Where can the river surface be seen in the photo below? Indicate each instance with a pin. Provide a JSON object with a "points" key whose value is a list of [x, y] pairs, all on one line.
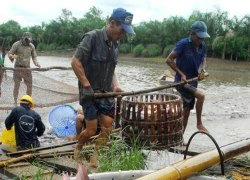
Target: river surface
{"points": [[226, 112]]}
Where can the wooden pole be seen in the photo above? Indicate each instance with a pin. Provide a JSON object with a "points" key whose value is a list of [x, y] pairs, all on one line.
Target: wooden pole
{"points": [[54, 146], [38, 69], [43, 155], [114, 94], [38, 155]]}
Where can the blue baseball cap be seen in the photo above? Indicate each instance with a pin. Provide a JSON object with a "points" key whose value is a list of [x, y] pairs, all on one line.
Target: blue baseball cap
{"points": [[124, 18], [200, 29]]}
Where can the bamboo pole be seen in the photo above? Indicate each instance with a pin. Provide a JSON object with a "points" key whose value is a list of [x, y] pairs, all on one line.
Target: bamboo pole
{"points": [[198, 163], [55, 146], [38, 69], [44, 155], [38, 155], [114, 94]]}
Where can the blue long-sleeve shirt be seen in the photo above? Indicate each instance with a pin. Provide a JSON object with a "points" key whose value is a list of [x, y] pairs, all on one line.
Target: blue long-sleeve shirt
{"points": [[28, 125]]}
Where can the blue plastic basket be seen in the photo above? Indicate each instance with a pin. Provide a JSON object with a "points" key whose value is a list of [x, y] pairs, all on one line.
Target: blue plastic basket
{"points": [[63, 120]]}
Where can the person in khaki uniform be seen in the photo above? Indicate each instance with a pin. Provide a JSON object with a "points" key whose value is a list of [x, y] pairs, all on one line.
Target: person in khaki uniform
{"points": [[21, 51]]}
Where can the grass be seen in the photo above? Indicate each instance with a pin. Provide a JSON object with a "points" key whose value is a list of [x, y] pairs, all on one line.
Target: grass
{"points": [[245, 159], [121, 157], [117, 156], [26, 175], [42, 167]]}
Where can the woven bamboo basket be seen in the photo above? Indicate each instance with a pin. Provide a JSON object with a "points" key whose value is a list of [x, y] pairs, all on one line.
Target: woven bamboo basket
{"points": [[154, 120]]}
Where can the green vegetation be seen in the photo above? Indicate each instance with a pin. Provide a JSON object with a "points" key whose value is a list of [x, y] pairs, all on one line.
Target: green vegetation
{"points": [[121, 157], [37, 176], [138, 50], [152, 50], [230, 37], [124, 48]]}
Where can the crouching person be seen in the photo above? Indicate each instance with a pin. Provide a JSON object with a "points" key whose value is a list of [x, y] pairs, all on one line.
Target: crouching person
{"points": [[28, 124]]}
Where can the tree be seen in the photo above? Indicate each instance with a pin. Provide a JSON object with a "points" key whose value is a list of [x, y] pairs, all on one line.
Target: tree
{"points": [[11, 31]]}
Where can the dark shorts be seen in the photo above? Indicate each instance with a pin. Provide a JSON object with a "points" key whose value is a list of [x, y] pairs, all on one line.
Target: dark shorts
{"points": [[92, 109], [25, 75], [187, 93]]}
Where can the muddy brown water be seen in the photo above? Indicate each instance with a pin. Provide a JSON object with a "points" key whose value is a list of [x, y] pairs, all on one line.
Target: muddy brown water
{"points": [[226, 112]]}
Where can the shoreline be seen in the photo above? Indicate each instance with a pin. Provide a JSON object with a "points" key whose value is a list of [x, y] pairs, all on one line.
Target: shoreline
{"points": [[125, 57]]}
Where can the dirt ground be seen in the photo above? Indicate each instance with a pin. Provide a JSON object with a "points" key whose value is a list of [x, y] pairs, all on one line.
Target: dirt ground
{"points": [[226, 115]]}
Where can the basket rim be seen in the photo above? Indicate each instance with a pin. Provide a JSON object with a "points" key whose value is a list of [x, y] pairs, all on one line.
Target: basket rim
{"points": [[177, 98]]}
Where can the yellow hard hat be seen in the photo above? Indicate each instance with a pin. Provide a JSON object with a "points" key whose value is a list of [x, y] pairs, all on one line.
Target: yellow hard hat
{"points": [[28, 99]]}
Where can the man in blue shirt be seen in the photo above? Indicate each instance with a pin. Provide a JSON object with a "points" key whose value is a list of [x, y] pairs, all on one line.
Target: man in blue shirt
{"points": [[190, 54]]}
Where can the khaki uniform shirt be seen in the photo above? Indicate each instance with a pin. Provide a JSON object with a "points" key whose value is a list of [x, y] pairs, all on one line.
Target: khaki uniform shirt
{"points": [[24, 53]]}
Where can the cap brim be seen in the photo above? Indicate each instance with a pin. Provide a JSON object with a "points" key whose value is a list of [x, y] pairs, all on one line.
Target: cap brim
{"points": [[128, 29], [202, 35]]}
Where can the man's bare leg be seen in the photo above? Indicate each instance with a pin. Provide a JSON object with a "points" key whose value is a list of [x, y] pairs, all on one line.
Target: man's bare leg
{"points": [[79, 124], [186, 113], [79, 127], [199, 105], [106, 128], [84, 136], [16, 90], [29, 89]]}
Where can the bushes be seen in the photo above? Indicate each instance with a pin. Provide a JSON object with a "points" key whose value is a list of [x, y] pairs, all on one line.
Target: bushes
{"points": [[152, 50], [145, 53], [138, 50], [167, 50], [124, 48], [51, 47]]}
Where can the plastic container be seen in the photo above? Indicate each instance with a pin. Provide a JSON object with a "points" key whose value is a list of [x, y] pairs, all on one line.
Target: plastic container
{"points": [[62, 118], [9, 136]]}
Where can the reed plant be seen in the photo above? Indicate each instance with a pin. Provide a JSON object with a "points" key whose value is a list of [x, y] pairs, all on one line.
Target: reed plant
{"points": [[121, 156]]}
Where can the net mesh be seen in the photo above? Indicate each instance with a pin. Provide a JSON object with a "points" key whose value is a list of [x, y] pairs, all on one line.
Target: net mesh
{"points": [[45, 91], [62, 119]]}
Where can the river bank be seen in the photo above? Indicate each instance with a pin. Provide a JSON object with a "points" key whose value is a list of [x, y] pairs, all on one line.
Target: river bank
{"points": [[130, 57]]}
